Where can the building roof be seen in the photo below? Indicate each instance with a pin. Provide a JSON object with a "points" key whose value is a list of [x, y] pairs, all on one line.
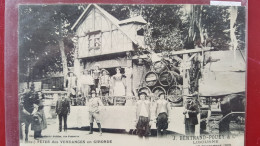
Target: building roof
{"points": [[113, 20], [138, 19]]}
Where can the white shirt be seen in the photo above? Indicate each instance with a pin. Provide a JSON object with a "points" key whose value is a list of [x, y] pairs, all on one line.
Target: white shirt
{"points": [[162, 110], [87, 80], [143, 111]]}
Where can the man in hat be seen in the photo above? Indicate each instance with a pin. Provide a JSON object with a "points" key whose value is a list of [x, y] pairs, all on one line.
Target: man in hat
{"points": [[63, 110], [162, 110], [143, 115], [94, 111], [28, 107], [191, 111]]}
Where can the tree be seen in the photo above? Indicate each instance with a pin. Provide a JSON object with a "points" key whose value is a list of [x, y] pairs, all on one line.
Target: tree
{"points": [[216, 27], [45, 44], [175, 27], [162, 31]]}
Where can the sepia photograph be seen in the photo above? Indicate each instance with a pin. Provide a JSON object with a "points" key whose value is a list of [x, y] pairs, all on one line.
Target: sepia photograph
{"points": [[114, 74]]}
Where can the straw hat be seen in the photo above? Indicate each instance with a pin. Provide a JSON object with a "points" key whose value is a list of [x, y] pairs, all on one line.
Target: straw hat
{"points": [[104, 70], [142, 93]]}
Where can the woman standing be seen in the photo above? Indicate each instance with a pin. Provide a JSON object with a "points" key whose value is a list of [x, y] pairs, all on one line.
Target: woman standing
{"points": [[39, 122], [119, 87]]}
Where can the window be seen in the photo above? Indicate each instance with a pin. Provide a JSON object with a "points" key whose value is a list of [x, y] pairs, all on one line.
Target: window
{"points": [[94, 43]]}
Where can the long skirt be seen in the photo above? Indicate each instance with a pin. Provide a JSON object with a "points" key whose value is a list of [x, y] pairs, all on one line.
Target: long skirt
{"points": [[119, 88]]}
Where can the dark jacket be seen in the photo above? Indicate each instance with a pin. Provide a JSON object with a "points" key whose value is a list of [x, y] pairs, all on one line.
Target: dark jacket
{"points": [[193, 112], [63, 106], [29, 99]]}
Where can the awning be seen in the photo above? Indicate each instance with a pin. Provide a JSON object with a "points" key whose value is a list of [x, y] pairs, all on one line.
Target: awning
{"points": [[222, 83], [225, 76], [111, 63]]}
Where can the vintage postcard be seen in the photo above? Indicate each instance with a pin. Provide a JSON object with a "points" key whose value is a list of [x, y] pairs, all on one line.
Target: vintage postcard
{"points": [[96, 74]]}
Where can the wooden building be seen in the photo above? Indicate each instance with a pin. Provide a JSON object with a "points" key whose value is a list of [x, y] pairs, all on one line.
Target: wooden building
{"points": [[104, 40]]}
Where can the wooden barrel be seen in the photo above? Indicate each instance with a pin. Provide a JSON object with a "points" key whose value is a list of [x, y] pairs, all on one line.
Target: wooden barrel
{"points": [[151, 79], [146, 90], [168, 78], [160, 66], [175, 94], [158, 90]]}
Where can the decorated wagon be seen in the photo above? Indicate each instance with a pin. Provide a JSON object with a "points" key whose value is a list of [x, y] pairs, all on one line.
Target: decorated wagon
{"points": [[104, 40]]}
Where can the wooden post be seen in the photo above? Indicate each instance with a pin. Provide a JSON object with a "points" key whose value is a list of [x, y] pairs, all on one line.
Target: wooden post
{"points": [[185, 75], [129, 74], [77, 67]]}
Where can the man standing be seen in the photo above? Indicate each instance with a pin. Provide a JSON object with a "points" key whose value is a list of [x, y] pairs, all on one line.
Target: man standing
{"points": [[143, 114], [162, 110], [191, 111], [94, 111], [28, 107], [63, 110]]}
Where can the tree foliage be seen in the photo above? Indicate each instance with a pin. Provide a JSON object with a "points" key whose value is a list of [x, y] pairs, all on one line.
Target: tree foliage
{"points": [[169, 26], [41, 27]]}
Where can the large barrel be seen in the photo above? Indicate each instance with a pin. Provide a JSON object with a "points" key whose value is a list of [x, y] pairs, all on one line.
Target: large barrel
{"points": [[160, 66], [146, 90], [168, 78], [151, 79], [158, 90], [174, 94]]}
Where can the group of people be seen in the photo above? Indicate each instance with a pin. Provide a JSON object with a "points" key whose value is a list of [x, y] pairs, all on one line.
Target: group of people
{"points": [[143, 115], [98, 80], [63, 110], [162, 118], [31, 111]]}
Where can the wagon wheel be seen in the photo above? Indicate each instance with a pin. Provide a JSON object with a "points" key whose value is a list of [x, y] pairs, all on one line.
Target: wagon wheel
{"points": [[175, 94]]}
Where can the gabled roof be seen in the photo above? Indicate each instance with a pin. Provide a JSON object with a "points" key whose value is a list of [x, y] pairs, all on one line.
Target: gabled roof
{"points": [[138, 19], [113, 20]]}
